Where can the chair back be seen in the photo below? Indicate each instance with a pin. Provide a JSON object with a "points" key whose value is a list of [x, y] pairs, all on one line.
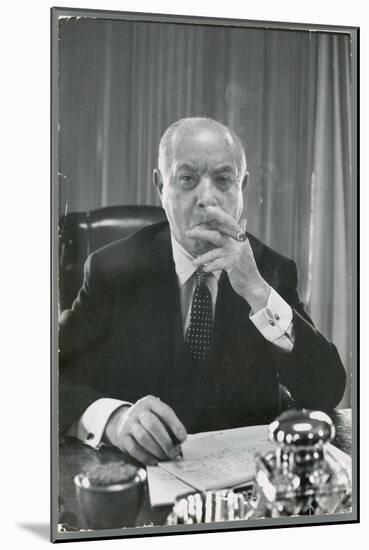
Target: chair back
{"points": [[81, 233]]}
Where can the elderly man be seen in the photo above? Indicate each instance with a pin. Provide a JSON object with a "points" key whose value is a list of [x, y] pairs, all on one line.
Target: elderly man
{"points": [[191, 324]]}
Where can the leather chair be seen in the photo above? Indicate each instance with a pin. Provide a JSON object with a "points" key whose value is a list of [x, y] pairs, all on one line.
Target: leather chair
{"points": [[81, 233]]}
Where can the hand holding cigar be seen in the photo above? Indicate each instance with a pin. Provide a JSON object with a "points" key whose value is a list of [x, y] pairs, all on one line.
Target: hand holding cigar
{"points": [[233, 254], [225, 223]]}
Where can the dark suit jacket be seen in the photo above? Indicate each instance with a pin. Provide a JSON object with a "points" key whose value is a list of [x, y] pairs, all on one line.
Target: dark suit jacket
{"points": [[123, 338]]}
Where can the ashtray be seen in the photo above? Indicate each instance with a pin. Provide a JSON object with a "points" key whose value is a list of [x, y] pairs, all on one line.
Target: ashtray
{"points": [[110, 495]]}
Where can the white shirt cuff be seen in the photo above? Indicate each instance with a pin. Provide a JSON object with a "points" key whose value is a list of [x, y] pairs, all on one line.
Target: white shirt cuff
{"points": [[275, 322], [90, 427]]}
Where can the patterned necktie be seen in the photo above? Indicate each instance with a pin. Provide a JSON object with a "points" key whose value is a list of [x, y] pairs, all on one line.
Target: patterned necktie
{"points": [[200, 332]]}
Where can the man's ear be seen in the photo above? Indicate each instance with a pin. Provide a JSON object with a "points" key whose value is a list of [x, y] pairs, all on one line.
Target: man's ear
{"points": [[158, 182], [244, 181]]}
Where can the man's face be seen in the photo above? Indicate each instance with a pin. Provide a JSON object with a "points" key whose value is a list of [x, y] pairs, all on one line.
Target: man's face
{"points": [[205, 171]]}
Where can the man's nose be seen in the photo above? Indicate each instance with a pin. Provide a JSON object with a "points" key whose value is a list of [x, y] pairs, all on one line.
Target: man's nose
{"points": [[206, 193]]}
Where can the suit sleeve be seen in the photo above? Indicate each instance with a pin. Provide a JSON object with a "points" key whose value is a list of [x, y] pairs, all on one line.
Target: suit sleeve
{"points": [[312, 371], [80, 329]]}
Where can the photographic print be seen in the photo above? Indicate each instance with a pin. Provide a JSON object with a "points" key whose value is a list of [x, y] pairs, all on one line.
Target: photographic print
{"points": [[204, 184]]}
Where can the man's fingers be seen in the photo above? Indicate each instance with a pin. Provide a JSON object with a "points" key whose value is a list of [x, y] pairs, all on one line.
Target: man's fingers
{"points": [[210, 235], [209, 256], [146, 441], [215, 265], [134, 449], [155, 427], [243, 224], [223, 221], [167, 415]]}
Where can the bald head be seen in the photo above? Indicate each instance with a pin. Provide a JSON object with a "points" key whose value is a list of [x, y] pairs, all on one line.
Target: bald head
{"points": [[202, 165], [201, 130]]}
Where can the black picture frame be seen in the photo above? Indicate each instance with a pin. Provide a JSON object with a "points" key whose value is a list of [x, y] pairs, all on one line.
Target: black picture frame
{"points": [[56, 14]]}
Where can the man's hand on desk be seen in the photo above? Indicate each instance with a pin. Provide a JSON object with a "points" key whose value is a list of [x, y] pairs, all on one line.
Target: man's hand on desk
{"points": [[146, 430]]}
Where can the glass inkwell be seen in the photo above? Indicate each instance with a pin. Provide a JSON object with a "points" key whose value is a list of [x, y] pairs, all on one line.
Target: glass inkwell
{"points": [[302, 476]]}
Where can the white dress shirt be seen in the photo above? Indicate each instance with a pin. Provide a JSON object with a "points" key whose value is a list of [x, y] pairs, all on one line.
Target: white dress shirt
{"points": [[274, 322]]}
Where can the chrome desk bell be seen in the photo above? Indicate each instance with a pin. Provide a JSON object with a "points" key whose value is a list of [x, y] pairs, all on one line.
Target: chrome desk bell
{"points": [[302, 476]]}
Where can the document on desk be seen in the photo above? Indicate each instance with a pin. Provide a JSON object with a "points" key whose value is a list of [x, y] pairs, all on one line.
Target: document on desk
{"points": [[211, 460], [164, 487], [221, 459]]}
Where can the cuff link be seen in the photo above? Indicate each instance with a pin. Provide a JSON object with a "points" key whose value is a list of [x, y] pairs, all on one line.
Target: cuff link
{"points": [[272, 317]]}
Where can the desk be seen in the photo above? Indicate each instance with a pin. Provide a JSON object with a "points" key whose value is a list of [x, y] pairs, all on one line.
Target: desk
{"points": [[73, 457]]}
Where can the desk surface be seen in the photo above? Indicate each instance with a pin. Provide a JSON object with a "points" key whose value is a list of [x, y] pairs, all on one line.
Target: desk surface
{"points": [[74, 457]]}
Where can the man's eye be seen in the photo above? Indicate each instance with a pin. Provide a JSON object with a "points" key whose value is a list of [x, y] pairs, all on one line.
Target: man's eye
{"points": [[224, 180], [187, 179]]}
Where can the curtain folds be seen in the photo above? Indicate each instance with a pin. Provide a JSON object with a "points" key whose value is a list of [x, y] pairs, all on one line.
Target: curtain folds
{"points": [[285, 93], [330, 266]]}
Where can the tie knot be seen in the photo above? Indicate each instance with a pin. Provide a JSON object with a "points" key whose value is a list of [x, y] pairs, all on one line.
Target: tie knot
{"points": [[201, 276]]}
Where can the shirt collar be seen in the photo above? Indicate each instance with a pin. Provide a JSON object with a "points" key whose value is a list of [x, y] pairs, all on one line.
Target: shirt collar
{"points": [[183, 262]]}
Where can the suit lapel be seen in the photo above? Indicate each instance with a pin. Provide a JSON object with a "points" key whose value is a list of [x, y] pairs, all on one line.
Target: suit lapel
{"points": [[166, 309], [257, 248]]}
